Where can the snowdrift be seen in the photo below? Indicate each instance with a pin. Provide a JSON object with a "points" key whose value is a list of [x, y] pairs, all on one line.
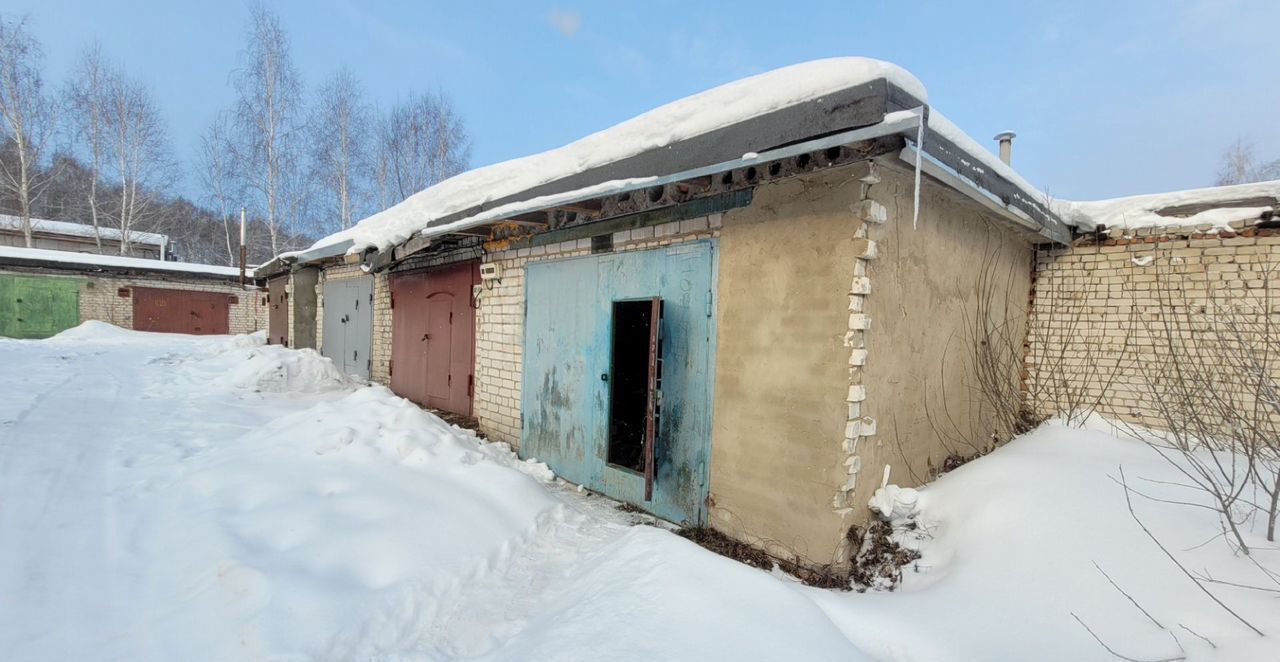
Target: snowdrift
{"points": [[1015, 546], [211, 498]]}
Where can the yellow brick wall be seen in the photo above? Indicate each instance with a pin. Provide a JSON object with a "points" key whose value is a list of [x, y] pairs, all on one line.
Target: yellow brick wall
{"points": [[1103, 313]]}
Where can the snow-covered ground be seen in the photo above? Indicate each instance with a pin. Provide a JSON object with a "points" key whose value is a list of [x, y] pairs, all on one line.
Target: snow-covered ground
{"points": [[178, 498]]}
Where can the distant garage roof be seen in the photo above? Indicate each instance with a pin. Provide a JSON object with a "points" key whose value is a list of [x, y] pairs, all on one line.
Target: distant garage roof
{"points": [[81, 230], [38, 258]]}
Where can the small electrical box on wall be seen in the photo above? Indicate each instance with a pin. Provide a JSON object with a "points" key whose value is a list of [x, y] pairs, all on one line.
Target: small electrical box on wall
{"points": [[489, 271]]}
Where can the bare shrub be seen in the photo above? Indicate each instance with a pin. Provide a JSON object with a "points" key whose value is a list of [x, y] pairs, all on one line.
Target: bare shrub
{"points": [[1072, 361], [1211, 384], [1026, 365]]}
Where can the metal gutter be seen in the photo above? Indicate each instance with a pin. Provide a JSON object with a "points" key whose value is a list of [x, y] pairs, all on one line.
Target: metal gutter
{"points": [[895, 123], [970, 189]]}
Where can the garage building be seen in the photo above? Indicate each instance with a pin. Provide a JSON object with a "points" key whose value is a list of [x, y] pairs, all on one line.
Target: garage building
{"points": [[44, 292]]}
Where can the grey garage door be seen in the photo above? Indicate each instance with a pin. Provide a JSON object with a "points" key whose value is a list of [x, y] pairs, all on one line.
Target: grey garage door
{"points": [[348, 324]]}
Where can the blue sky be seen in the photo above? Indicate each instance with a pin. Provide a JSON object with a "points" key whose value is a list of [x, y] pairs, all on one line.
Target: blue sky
{"points": [[1108, 98]]}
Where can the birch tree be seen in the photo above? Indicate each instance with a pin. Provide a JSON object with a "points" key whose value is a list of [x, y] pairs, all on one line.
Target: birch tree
{"points": [[424, 142], [27, 116], [218, 176], [267, 120], [86, 100], [1240, 166], [382, 184], [139, 152], [340, 132]]}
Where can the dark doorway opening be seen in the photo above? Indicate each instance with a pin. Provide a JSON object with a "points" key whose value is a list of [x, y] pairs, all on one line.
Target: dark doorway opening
{"points": [[635, 374]]}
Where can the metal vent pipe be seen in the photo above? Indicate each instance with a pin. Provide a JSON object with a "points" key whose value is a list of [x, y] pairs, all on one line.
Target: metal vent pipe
{"points": [[1005, 138]]}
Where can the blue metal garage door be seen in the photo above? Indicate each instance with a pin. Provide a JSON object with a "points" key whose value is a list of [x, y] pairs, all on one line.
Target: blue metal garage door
{"points": [[569, 371]]}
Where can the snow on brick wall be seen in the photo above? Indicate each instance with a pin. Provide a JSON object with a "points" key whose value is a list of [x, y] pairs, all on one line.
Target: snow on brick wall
{"points": [[1098, 310], [500, 318]]}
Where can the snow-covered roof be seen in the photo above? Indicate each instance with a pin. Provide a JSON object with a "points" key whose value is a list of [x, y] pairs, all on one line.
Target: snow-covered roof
{"points": [[487, 193], [689, 117], [11, 254], [81, 230], [1217, 206]]}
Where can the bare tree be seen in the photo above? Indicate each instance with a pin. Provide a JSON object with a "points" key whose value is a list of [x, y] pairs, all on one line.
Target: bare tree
{"points": [[382, 184], [28, 119], [340, 133], [267, 118], [423, 142], [140, 154], [1240, 166], [86, 100], [218, 176]]}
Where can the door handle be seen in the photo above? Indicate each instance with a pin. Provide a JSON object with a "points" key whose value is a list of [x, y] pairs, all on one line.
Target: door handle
{"points": [[425, 337]]}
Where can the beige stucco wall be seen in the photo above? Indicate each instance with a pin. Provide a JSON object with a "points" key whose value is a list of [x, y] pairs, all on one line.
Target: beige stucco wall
{"points": [[836, 321], [782, 373], [1099, 334], [919, 357]]}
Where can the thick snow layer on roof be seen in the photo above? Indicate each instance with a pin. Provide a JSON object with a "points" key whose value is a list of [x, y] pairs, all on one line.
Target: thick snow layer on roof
{"points": [[692, 116], [89, 259], [1227, 204], [80, 230]]}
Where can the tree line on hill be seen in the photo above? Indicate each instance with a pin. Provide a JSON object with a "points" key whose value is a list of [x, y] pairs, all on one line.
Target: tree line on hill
{"points": [[303, 163]]}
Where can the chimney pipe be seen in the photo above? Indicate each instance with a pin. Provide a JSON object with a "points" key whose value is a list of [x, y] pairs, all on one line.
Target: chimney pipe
{"points": [[1006, 145]]}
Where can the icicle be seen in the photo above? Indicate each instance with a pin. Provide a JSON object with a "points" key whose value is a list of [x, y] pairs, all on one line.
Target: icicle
{"points": [[924, 120]]}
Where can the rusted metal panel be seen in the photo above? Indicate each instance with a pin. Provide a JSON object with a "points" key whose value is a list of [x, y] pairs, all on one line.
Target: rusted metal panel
{"points": [[567, 350], [652, 404], [278, 311], [433, 336], [181, 311]]}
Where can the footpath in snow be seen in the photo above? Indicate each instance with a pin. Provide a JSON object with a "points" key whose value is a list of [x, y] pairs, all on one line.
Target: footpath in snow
{"points": [[180, 498]]}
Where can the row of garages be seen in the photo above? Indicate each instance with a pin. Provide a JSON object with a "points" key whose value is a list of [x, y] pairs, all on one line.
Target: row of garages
{"points": [[712, 370], [688, 328], [44, 292], [425, 350]]}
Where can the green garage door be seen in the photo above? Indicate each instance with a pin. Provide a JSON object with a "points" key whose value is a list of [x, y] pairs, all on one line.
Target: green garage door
{"points": [[36, 307]]}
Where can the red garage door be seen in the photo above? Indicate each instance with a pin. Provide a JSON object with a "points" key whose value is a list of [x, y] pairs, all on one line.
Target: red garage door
{"points": [[278, 316], [433, 336], [181, 311]]}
